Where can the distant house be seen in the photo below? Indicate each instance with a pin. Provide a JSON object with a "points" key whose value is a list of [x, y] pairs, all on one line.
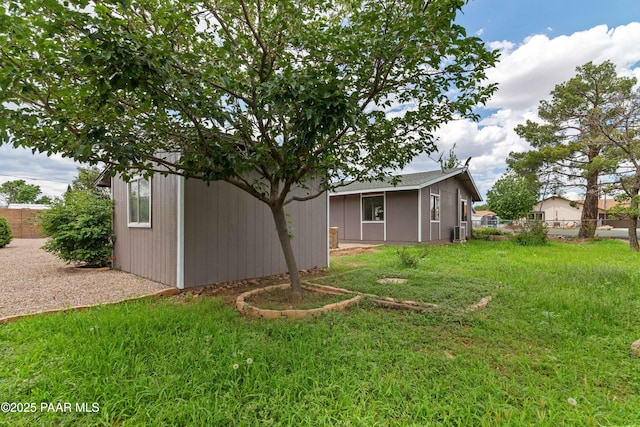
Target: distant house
{"points": [[426, 207], [557, 211], [186, 233], [485, 219]]}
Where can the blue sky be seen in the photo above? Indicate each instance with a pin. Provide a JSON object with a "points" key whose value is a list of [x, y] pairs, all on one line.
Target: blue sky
{"points": [[514, 20], [541, 44]]}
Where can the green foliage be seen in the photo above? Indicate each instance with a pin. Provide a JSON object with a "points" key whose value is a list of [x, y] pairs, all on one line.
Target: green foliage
{"points": [[79, 226], [410, 257], [85, 181], [534, 233], [285, 89], [571, 147], [288, 92], [5, 232], [511, 197], [485, 233], [19, 191]]}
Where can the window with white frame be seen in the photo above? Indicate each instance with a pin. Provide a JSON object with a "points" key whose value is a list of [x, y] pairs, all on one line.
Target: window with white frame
{"points": [[463, 210], [373, 208], [139, 196], [435, 207]]}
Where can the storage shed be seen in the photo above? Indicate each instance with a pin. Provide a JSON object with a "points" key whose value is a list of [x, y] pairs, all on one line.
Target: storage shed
{"points": [[186, 233]]}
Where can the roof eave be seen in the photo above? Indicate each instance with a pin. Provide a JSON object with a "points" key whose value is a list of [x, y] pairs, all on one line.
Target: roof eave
{"points": [[407, 187]]}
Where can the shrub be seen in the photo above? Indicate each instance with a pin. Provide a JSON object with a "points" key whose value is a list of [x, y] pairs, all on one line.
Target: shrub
{"points": [[485, 233], [5, 232], [533, 234], [409, 258], [80, 228]]}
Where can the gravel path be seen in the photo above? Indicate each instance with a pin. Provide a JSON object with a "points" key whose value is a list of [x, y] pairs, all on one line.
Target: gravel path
{"points": [[32, 280]]}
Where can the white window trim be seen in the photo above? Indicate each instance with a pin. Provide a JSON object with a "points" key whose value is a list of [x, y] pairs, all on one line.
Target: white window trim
{"points": [[431, 207], [463, 219], [138, 224], [384, 208], [383, 222]]}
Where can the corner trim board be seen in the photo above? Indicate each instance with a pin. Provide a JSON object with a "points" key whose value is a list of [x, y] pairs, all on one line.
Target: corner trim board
{"points": [[180, 234]]}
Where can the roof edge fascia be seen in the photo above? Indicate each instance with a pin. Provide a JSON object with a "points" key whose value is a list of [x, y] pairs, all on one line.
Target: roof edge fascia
{"points": [[401, 188]]}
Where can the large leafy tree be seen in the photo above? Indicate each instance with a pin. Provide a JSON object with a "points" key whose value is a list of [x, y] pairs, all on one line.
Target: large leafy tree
{"points": [[268, 95], [568, 145], [18, 191], [86, 181], [512, 197]]}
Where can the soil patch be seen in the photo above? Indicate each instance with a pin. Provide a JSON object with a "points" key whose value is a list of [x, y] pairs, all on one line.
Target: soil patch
{"points": [[229, 291], [354, 251], [278, 299]]}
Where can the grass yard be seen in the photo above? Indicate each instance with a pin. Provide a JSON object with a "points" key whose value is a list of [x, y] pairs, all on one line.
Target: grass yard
{"points": [[551, 349]]}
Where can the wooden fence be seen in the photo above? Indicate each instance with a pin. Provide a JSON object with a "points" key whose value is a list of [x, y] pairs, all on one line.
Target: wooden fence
{"points": [[23, 222]]}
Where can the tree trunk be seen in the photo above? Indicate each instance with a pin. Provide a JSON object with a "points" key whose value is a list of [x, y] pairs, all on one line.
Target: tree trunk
{"points": [[633, 234], [280, 219], [633, 225], [589, 219]]}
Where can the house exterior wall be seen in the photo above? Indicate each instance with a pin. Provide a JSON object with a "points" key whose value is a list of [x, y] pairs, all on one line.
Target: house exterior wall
{"points": [[451, 192], [560, 211], [148, 252], [401, 215], [230, 235], [345, 214]]}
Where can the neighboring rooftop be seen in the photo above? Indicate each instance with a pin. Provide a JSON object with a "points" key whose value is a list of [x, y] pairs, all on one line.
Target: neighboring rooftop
{"points": [[411, 181]]}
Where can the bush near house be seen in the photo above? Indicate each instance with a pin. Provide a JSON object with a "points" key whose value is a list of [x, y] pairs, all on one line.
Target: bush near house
{"points": [[486, 233], [80, 228], [5, 232], [533, 234]]}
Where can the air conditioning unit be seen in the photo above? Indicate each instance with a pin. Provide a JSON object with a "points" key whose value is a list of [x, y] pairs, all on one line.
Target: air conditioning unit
{"points": [[459, 234]]}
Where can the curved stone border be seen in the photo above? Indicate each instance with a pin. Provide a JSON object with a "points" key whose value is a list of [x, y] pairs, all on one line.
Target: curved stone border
{"points": [[163, 293], [391, 280], [635, 349], [244, 307], [480, 304]]}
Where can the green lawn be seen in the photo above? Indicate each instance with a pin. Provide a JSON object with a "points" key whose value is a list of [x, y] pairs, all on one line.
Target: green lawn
{"points": [[557, 332]]}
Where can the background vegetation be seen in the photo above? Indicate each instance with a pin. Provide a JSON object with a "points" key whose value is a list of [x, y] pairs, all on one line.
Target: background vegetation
{"points": [[5, 232], [79, 227]]}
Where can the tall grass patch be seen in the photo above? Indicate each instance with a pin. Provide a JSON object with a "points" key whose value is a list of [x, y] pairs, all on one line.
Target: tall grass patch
{"points": [[552, 348]]}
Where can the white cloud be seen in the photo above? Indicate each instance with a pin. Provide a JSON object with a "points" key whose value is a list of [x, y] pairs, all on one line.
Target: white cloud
{"points": [[52, 174], [526, 74]]}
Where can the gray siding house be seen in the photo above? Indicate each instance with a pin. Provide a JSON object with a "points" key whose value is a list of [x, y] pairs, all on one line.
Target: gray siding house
{"points": [[186, 233], [423, 207]]}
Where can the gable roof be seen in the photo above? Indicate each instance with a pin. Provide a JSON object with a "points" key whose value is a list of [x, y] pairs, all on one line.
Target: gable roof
{"points": [[411, 181]]}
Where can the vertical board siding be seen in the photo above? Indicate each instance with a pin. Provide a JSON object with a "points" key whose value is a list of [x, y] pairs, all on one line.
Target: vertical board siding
{"points": [[426, 215], [352, 217], [402, 216], [230, 235], [336, 215], [148, 252], [451, 190]]}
